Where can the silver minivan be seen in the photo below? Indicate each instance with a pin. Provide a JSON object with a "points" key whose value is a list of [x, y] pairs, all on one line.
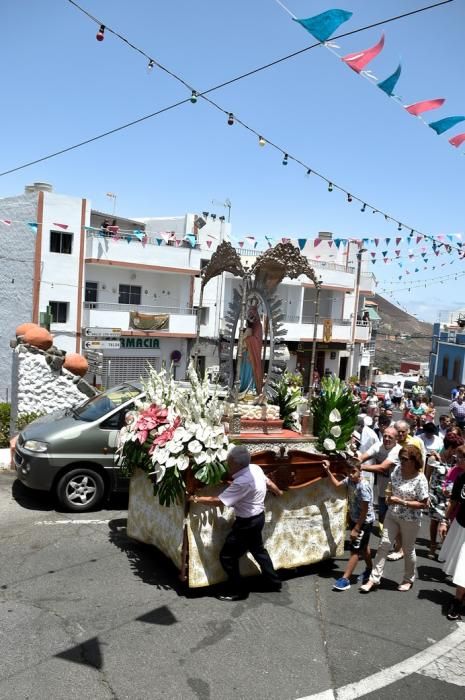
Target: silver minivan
{"points": [[71, 453]]}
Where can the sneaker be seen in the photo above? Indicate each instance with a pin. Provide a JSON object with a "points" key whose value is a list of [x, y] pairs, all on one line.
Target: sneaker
{"points": [[454, 610], [342, 584], [363, 578]]}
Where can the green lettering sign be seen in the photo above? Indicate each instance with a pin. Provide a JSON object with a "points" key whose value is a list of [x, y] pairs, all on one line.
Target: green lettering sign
{"points": [[140, 343]]}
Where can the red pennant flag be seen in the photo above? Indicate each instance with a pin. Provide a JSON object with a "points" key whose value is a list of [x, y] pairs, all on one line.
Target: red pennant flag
{"points": [[63, 226], [376, 241], [420, 107], [419, 238], [397, 252], [209, 243], [241, 244], [358, 61], [316, 242], [7, 222], [373, 255], [398, 240], [457, 140]]}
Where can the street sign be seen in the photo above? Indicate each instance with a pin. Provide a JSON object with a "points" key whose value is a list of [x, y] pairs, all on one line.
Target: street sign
{"points": [[102, 332], [94, 356], [101, 344], [95, 368]]}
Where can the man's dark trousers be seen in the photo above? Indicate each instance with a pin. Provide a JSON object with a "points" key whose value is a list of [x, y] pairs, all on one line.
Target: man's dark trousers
{"points": [[246, 536]]}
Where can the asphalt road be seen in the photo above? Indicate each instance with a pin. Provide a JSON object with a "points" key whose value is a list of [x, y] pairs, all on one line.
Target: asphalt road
{"points": [[87, 613]]}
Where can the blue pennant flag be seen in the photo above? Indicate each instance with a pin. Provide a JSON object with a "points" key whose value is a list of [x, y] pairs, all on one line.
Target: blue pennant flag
{"points": [[301, 242], [417, 269], [33, 226], [322, 26], [444, 124], [192, 240], [389, 84], [159, 241]]}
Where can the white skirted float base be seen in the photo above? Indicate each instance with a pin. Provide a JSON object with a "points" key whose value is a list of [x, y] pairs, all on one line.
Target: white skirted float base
{"points": [[304, 526]]}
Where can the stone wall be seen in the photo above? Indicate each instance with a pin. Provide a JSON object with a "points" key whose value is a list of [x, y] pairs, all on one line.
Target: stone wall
{"points": [[43, 384]]}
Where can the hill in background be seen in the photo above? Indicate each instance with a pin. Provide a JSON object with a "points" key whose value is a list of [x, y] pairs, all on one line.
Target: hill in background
{"points": [[400, 336]]}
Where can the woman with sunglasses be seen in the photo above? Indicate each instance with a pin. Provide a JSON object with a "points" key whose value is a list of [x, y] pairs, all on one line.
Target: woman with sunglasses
{"points": [[408, 498], [453, 549]]}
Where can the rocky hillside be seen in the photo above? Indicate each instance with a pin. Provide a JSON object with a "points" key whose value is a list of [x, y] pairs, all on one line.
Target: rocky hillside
{"points": [[400, 337]]}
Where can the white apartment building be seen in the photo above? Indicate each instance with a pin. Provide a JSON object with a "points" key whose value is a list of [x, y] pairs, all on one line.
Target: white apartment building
{"points": [[142, 276]]}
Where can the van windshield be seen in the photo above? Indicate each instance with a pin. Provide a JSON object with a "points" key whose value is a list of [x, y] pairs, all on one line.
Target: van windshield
{"points": [[99, 406]]}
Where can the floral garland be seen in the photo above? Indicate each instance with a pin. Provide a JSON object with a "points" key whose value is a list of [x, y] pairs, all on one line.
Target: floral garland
{"points": [[172, 429]]}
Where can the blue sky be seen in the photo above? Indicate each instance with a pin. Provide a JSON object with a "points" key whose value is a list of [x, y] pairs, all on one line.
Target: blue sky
{"points": [[60, 86]]}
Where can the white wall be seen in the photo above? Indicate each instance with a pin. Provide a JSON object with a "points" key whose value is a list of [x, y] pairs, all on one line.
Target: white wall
{"points": [[17, 250]]}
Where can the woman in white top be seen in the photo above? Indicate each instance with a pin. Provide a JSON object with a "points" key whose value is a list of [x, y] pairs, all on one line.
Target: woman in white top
{"points": [[409, 497]]}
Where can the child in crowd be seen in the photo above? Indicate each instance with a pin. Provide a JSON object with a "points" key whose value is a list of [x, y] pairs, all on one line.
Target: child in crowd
{"points": [[362, 516]]}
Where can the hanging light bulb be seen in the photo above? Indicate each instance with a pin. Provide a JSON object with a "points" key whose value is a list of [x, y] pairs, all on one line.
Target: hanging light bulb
{"points": [[309, 172], [261, 141], [150, 66], [194, 97], [330, 186], [285, 159], [349, 197], [364, 207], [100, 36], [399, 228], [230, 118]]}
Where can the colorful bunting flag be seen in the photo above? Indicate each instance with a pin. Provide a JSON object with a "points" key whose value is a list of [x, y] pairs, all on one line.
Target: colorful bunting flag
{"points": [[420, 107], [63, 226], [358, 61], [191, 239], [457, 140], [323, 25], [7, 222], [301, 242], [33, 226], [389, 84], [445, 124], [209, 243]]}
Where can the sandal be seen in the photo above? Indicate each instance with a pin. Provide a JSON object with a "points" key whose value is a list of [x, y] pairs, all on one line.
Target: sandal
{"points": [[405, 586], [395, 556], [368, 586]]}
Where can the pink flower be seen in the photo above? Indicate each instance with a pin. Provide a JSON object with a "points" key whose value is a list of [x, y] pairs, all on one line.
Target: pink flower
{"points": [[167, 434], [148, 420]]}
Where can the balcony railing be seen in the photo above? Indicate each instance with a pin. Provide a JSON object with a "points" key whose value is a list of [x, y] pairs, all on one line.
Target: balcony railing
{"points": [[141, 308], [142, 237], [320, 264]]}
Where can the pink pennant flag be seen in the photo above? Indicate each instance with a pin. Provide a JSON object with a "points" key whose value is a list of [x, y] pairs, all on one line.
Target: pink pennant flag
{"points": [[285, 240], [386, 260], [241, 244], [441, 237], [373, 255], [316, 242], [63, 226], [457, 140], [330, 243], [376, 241], [177, 242], [209, 243], [398, 240], [418, 239], [397, 252], [7, 222], [420, 107], [358, 61]]}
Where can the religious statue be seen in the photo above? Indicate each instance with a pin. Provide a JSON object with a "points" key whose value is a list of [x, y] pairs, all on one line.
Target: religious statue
{"points": [[251, 378]]}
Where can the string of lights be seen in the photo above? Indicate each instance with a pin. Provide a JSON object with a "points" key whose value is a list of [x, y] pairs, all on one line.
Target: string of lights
{"points": [[233, 119]]}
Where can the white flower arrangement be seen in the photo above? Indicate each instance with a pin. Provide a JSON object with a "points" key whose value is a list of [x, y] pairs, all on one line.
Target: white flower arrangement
{"points": [[174, 428]]}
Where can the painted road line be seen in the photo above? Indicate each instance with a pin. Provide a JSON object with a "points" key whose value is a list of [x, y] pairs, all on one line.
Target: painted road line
{"points": [[71, 522], [439, 654]]}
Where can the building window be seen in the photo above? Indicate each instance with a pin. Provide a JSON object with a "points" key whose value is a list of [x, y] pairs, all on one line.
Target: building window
{"points": [[91, 294], [59, 311], [61, 242], [129, 294], [204, 315], [445, 367], [456, 375]]}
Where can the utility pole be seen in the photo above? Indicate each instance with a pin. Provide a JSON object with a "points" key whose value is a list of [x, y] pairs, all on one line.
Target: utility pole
{"points": [[356, 301]]}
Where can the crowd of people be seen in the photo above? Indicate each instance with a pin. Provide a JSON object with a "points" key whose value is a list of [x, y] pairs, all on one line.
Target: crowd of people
{"points": [[416, 469]]}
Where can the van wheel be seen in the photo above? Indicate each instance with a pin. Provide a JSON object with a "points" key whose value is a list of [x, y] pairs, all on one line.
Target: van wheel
{"points": [[80, 489]]}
